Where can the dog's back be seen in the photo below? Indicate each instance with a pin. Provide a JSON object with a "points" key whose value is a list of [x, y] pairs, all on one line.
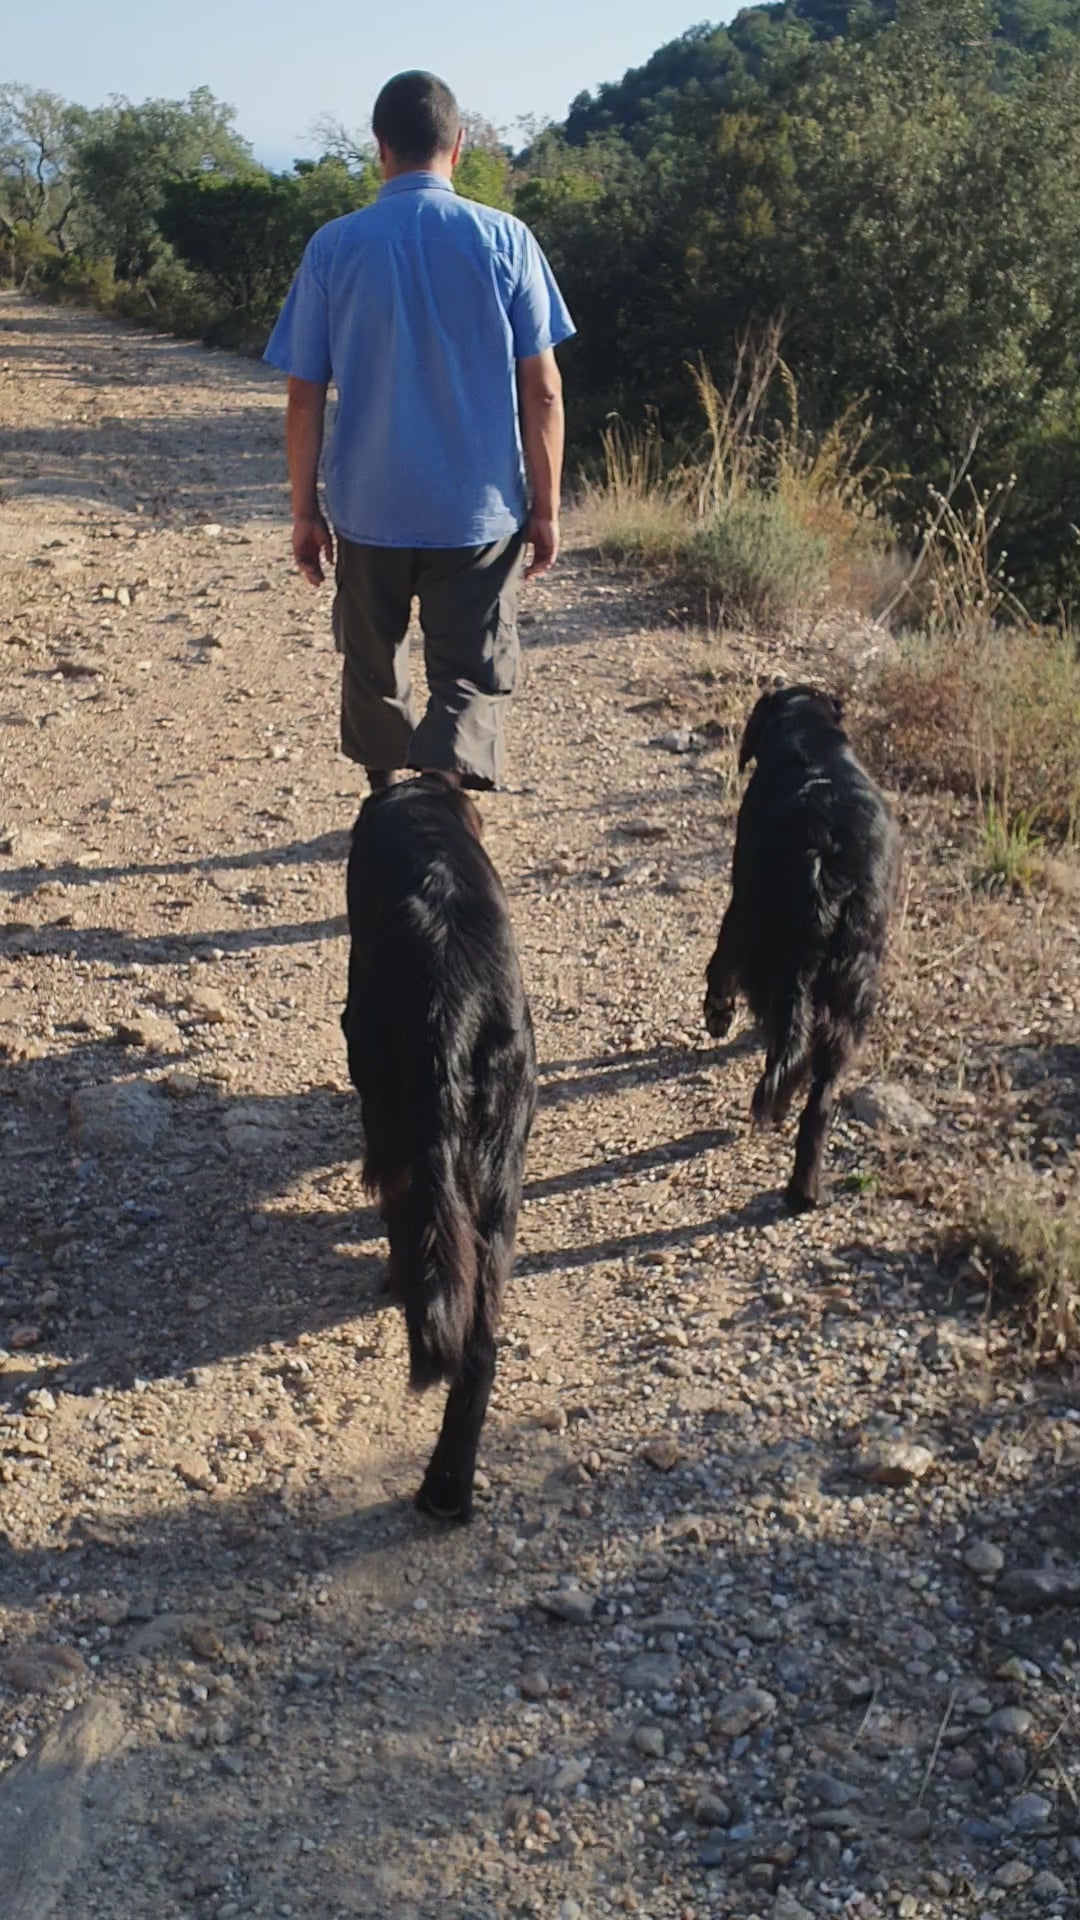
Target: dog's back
{"points": [[441, 1052], [815, 863]]}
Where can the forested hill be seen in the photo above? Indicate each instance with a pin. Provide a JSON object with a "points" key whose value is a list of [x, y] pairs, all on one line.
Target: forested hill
{"points": [[763, 51]]}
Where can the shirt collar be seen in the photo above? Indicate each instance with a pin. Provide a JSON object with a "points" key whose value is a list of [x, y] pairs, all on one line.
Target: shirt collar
{"points": [[415, 183]]}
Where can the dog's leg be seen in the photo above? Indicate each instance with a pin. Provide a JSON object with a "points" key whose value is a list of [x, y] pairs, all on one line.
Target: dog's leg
{"points": [[722, 977], [447, 1489], [829, 1059], [804, 1188]]}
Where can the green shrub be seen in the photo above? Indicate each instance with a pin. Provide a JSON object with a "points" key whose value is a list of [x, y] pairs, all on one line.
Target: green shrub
{"points": [[758, 563]]}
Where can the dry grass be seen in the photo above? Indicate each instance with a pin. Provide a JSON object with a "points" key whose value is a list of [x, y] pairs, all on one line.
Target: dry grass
{"points": [[994, 715], [764, 521], [1028, 1248]]}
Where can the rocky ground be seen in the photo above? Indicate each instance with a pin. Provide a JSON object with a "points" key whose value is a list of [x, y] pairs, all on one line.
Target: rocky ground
{"points": [[770, 1606]]}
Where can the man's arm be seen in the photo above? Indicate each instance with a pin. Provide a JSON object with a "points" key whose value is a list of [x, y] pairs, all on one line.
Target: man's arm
{"points": [[542, 435], [304, 415]]}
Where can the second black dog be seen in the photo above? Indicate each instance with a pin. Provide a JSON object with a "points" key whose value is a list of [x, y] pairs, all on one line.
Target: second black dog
{"points": [[814, 878], [441, 1051]]}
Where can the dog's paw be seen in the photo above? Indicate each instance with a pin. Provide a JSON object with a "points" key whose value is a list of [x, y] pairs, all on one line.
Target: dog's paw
{"points": [[719, 1015], [800, 1199], [444, 1498]]}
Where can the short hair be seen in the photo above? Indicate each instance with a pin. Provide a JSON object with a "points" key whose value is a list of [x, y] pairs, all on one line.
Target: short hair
{"points": [[417, 117]]}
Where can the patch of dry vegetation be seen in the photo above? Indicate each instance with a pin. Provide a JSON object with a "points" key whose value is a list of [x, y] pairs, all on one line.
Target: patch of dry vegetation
{"points": [[1027, 1246], [765, 522]]}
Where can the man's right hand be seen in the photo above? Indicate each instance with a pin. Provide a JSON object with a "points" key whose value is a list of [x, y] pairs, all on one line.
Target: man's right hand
{"points": [[311, 539], [542, 535]]}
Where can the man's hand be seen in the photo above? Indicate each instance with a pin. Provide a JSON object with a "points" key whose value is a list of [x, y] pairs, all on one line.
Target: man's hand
{"points": [[311, 538], [542, 535]]}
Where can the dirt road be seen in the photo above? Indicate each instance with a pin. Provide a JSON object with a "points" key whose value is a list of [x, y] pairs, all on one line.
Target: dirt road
{"points": [[741, 1628]]}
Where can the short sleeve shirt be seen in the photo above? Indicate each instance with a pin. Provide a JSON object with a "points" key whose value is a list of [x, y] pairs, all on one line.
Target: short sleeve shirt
{"points": [[418, 309]]}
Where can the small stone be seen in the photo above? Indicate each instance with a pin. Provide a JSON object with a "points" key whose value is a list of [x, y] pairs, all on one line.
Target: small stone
{"points": [[1048, 1887], [786, 1907], [915, 1824], [711, 1811], [43, 1669], [24, 1335], [552, 1420], [649, 1741], [662, 1453], [1031, 1589], [762, 1876], [679, 740], [180, 1085], [742, 1709], [1012, 1721], [651, 1673], [123, 596], [570, 1604], [120, 1116], [828, 1791], [150, 1032], [984, 1559], [194, 1470], [893, 1463], [712, 1854], [535, 1685], [570, 1775], [207, 1005], [1030, 1810], [854, 1688], [884, 1103], [205, 1644], [1014, 1873], [40, 1400]]}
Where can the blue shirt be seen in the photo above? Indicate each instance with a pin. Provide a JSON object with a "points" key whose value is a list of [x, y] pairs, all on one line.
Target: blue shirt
{"points": [[418, 308]]}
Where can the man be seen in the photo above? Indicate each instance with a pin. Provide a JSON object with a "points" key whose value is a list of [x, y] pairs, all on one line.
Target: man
{"points": [[437, 320]]}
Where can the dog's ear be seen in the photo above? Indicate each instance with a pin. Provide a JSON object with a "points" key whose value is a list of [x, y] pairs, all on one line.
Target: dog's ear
{"points": [[837, 706], [754, 729]]}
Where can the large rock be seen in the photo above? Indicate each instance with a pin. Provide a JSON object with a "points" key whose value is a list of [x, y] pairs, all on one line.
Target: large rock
{"points": [[884, 1104], [118, 1116], [1032, 1589]]}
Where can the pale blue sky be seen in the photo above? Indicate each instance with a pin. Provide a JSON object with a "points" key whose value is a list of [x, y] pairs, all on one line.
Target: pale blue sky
{"points": [[281, 63]]}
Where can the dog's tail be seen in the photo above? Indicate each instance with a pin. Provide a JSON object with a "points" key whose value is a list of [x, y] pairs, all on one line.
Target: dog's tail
{"points": [[791, 1032], [435, 1266]]}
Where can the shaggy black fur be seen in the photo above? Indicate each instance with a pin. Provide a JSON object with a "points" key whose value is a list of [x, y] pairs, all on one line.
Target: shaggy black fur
{"points": [[441, 1051], [817, 861]]}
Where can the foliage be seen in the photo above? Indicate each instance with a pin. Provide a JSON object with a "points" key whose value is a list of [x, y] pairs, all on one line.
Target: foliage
{"points": [[757, 517], [244, 237], [129, 155], [38, 137]]}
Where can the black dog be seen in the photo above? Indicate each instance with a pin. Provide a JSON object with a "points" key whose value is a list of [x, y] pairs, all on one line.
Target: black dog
{"points": [[814, 878], [441, 1052]]}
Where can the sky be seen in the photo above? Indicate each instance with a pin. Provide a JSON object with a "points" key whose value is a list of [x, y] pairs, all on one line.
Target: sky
{"points": [[282, 64]]}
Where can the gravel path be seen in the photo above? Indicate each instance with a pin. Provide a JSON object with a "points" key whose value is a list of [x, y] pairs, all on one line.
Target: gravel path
{"points": [[768, 1610]]}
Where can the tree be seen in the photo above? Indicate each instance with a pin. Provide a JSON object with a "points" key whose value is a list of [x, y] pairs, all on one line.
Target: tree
{"points": [[131, 152], [38, 137], [245, 236]]}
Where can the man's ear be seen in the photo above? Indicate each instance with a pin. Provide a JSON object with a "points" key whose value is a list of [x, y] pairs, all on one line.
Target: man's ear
{"points": [[838, 708], [458, 144]]}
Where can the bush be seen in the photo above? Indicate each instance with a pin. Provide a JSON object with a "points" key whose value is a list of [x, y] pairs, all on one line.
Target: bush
{"points": [[758, 563], [995, 717], [1028, 1247], [760, 518]]}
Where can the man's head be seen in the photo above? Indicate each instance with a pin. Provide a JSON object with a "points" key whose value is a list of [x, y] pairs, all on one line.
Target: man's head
{"points": [[417, 125]]}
